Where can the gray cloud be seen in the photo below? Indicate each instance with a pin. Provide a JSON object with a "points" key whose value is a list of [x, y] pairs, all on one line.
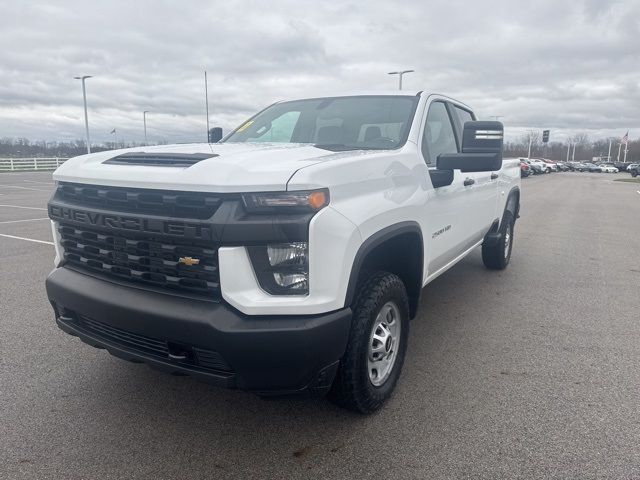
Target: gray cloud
{"points": [[569, 66]]}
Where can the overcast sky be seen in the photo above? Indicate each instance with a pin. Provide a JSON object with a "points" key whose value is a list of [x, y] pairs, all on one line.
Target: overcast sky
{"points": [[568, 65]]}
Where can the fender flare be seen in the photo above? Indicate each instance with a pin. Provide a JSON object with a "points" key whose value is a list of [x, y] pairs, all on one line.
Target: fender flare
{"points": [[513, 203], [512, 206], [376, 240]]}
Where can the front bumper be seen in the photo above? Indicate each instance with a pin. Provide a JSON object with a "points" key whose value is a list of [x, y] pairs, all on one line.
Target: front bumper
{"points": [[206, 339]]}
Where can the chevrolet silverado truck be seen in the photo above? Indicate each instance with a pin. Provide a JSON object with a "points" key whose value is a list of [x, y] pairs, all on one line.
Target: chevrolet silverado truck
{"points": [[290, 256]]}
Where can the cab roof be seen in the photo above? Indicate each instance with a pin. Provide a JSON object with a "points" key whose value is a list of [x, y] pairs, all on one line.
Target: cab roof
{"points": [[356, 93]]}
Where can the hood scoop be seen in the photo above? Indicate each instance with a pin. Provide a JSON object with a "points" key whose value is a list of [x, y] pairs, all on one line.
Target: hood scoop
{"points": [[159, 159]]}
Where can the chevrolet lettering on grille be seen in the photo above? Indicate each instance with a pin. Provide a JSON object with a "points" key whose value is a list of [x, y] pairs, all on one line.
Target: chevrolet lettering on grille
{"points": [[121, 222]]}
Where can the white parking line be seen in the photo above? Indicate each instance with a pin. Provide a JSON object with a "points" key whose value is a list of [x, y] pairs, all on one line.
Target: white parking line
{"points": [[24, 188], [26, 220], [42, 183], [26, 239], [20, 206]]}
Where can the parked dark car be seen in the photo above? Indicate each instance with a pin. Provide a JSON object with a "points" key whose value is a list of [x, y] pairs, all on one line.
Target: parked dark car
{"points": [[563, 167], [634, 169], [580, 167], [536, 169], [525, 170], [622, 166], [592, 167]]}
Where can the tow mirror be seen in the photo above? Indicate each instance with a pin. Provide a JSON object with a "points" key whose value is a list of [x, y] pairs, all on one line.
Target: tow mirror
{"points": [[215, 135], [481, 149]]}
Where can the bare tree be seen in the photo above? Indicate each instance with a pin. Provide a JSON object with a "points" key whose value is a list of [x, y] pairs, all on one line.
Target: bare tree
{"points": [[581, 139], [532, 136], [583, 146]]}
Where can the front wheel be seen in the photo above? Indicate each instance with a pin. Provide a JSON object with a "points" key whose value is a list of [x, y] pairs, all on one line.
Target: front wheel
{"points": [[497, 255], [377, 344]]}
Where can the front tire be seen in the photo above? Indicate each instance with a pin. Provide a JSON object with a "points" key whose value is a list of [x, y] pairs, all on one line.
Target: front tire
{"points": [[372, 363], [498, 255]]}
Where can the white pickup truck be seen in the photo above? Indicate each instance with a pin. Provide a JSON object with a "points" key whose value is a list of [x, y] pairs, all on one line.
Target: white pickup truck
{"points": [[290, 256]]}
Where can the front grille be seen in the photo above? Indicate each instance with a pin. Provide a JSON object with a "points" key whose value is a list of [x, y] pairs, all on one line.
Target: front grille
{"points": [[196, 205], [142, 258], [158, 238], [142, 344]]}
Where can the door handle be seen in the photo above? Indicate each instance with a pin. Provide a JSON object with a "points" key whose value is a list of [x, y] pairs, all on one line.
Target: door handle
{"points": [[494, 176], [469, 181]]}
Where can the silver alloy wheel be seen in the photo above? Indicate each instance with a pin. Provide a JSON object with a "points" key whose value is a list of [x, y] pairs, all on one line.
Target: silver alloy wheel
{"points": [[507, 241], [384, 342]]}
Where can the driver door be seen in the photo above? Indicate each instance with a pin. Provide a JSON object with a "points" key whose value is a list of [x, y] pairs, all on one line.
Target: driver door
{"points": [[447, 219]]}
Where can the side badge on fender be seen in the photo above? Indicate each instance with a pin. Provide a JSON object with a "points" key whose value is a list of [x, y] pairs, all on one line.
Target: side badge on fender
{"points": [[441, 231]]}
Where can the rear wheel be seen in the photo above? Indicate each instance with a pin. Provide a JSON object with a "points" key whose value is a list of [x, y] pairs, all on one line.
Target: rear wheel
{"points": [[377, 344], [497, 255]]}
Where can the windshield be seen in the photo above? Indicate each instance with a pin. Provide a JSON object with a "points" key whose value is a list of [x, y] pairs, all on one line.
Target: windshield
{"points": [[337, 123]]}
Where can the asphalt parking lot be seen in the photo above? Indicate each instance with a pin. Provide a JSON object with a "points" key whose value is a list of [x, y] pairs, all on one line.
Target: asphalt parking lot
{"points": [[533, 372]]}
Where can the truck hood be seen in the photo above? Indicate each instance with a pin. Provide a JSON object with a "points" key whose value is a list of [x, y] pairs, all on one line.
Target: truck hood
{"points": [[238, 167]]}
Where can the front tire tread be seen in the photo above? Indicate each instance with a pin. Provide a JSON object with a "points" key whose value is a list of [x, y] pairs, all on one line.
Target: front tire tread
{"points": [[352, 388]]}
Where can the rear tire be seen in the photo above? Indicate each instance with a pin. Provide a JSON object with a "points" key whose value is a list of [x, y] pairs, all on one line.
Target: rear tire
{"points": [[379, 333], [498, 255]]}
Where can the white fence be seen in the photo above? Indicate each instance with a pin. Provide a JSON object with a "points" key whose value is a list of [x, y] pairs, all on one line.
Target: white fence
{"points": [[30, 164]]}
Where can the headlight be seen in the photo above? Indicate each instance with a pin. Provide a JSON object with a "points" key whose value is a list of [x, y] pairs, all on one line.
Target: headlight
{"points": [[282, 269], [282, 202]]}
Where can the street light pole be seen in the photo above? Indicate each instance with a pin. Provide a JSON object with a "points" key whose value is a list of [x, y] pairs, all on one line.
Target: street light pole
{"points": [[144, 120], [626, 149], [206, 99], [400, 74], [609, 154], [86, 116], [619, 147], [568, 150]]}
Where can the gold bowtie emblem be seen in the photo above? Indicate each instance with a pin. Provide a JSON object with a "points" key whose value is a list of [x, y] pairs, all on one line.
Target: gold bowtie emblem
{"points": [[189, 261]]}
